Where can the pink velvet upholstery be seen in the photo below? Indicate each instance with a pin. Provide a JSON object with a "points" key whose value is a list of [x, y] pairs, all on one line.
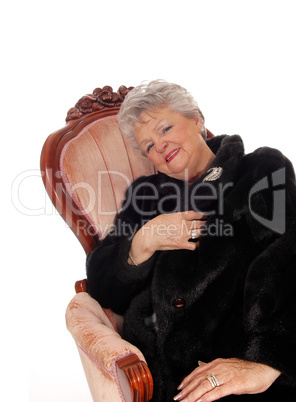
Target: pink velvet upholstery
{"points": [[97, 166], [100, 347]]}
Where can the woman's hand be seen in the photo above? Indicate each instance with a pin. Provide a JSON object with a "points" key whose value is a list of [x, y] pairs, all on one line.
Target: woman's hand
{"points": [[167, 232], [234, 376]]}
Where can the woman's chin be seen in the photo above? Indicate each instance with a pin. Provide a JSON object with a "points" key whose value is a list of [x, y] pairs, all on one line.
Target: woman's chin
{"points": [[176, 169], [180, 171]]}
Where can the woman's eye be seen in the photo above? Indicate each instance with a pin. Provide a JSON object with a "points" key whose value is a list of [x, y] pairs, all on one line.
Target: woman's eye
{"points": [[149, 147], [166, 129]]}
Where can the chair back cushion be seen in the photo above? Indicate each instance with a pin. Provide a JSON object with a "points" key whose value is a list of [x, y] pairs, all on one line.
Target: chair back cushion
{"points": [[97, 166]]}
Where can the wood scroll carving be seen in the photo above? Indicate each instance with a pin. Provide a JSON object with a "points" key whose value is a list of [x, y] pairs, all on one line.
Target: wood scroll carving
{"points": [[138, 378], [101, 98]]}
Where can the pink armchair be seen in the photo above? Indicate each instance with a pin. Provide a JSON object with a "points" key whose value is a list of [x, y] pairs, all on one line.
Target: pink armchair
{"points": [[86, 168]]}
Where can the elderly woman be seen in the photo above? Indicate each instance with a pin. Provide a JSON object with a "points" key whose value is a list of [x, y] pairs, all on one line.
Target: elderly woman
{"points": [[201, 261]]}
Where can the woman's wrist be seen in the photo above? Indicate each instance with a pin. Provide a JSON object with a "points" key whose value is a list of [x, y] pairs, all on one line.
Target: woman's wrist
{"points": [[137, 258], [139, 252], [131, 261]]}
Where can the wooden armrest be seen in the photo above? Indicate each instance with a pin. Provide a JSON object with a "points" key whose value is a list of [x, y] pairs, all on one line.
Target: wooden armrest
{"points": [[135, 377]]}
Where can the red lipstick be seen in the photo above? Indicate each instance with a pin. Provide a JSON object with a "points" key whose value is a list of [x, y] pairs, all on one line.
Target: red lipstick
{"points": [[172, 154]]}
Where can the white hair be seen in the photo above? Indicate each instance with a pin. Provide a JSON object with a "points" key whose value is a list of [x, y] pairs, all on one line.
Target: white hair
{"points": [[156, 94]]}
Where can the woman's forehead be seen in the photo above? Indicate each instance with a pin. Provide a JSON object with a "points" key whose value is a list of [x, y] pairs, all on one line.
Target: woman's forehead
{"points": [[151, 120], [155, 116]]}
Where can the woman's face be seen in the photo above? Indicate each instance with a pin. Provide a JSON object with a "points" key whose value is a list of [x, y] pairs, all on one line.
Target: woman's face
{"points": [[173, 143]]}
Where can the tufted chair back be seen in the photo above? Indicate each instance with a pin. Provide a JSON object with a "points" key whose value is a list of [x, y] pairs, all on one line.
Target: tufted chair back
{"points": [[88, 165], [97, 166]]}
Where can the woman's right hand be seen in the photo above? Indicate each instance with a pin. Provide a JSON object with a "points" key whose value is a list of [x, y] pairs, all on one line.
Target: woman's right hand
{"points": [[167, 232]]}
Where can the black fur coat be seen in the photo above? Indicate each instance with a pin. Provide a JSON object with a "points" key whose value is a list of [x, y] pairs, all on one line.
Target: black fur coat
{"points": [[235, 295]]}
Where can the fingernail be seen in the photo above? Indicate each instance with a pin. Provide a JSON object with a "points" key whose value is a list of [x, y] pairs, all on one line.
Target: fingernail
{"points": [[178, 397], [181, 386]]}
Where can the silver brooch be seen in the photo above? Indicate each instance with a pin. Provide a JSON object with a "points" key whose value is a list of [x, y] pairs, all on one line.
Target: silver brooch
{"points": [[214, 174]]}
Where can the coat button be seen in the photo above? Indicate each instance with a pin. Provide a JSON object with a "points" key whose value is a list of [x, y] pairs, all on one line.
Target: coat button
{"points": [[179, 303]]}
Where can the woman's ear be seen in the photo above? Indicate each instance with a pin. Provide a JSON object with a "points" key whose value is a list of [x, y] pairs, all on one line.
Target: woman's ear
{"points": [[198, 122], [197, 118]]}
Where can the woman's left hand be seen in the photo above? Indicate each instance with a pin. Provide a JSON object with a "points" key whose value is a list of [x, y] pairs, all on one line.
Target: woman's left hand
{"points": [[234, 376]]}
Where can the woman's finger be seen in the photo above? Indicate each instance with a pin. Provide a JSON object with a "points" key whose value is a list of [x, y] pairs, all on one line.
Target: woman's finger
{"points": [[213, 395], [192, 215], [195, 389], [190, 377], [195, 225]]}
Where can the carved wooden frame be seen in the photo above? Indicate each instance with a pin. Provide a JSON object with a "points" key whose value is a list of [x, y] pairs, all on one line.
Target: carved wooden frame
{"points": [[101, 103]]}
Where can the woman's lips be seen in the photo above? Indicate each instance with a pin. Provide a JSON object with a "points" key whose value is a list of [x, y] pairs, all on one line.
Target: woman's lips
{"points": [[172, 154]]}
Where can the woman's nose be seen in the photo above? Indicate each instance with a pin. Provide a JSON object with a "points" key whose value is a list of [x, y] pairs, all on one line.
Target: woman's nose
{"points": [[160, 145]]}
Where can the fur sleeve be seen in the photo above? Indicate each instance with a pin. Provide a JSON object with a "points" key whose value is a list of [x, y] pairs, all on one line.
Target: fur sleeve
{"points": [[111, 280], [270, 289]]}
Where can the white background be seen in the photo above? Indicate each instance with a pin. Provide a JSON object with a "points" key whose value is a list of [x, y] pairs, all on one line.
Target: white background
{"points": [[236, 57]]}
